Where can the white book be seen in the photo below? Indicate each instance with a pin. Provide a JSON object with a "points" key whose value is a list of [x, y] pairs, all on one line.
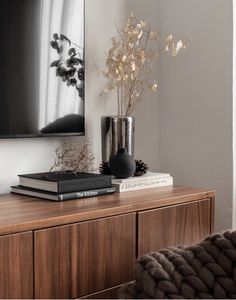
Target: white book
{"points": [[146, 177], [134, 186]]}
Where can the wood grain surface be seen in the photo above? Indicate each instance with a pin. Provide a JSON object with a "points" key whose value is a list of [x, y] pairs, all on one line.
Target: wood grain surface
{"points": [[79, 259], [21, 213], [16, 266], [184, 224]]}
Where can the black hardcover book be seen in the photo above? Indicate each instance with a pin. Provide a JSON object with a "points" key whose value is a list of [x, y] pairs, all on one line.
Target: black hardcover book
{"points": [[60, 197], [65, 182]]}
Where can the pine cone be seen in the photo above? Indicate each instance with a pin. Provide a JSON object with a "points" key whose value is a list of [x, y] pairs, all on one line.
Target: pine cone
{"points": [[105, 168], [141, 168]]}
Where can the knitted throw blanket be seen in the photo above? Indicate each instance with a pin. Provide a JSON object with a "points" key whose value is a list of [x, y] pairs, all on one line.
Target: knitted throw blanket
{"points": [[206, 270]]}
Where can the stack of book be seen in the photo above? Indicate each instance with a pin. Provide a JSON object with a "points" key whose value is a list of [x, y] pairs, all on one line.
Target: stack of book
{"points": [[60, 186], [147, 181]]}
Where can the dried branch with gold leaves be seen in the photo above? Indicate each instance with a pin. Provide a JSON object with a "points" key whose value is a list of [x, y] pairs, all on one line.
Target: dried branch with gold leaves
{"points": [[71, 157], [130, 60]]}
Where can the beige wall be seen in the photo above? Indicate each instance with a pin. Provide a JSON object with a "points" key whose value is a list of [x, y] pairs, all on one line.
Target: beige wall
{"points": [[186, 128], [234, 114], [196, 100], [147, 124]]}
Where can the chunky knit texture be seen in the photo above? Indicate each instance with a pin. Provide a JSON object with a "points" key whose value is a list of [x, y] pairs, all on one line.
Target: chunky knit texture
{"points": [[203, 271]]}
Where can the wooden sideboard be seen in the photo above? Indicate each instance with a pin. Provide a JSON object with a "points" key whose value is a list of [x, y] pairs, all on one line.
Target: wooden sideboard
{"points": [[87, 248]]}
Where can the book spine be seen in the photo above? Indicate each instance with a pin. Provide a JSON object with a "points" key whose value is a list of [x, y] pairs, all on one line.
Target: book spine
{"points": [[84, 184], [125, 187], [142, 180], [86, 194]]}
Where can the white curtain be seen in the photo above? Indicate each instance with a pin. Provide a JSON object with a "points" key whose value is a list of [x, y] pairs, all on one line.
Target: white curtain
{"points": [[56, 99]]}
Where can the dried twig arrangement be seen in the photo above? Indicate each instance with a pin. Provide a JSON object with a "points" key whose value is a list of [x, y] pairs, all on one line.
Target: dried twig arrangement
{"points": [[130, 60], [71, 157]]}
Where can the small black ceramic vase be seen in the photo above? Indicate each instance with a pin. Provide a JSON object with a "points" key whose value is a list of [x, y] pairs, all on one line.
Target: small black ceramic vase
{"points": [[122, 165]]}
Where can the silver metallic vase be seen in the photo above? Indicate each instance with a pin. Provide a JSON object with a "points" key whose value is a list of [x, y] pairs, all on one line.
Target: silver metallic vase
{"points": [[117, 133]]}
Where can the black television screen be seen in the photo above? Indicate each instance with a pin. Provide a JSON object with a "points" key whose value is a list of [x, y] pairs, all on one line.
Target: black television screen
{"points": [[42, 68]]}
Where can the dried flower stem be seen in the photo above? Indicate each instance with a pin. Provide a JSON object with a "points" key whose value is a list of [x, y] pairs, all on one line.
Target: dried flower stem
{"points": [[118, 98], [130, 59]]}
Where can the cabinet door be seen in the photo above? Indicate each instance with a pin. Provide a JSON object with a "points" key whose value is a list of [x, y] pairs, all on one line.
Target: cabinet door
{"points": [[79, 259], [173, 226], [16, 266]]}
